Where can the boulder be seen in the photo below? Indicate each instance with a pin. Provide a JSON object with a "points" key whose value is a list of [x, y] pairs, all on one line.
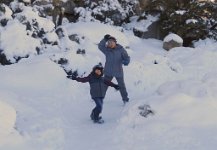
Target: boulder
{"points": [[3, 59], [172, 40]]}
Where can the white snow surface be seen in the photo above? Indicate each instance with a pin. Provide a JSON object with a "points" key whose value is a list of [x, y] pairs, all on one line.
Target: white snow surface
{"points": [[141, 25], [7, 118], [191, 21], [7, 14], [173, 37], [180, 12], [15, 41], [42, 109]]}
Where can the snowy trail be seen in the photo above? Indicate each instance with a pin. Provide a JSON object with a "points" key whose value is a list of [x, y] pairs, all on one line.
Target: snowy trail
{"points": [[80, 128]]}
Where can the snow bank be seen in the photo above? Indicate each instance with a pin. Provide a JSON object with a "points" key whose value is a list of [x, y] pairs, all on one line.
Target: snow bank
{"points": [[183, 118], [46, 79], [9, 137], [24, 35], [184, 105], [21, 44], [86, 29], [7, 119], [32, 16], [7, 14]]}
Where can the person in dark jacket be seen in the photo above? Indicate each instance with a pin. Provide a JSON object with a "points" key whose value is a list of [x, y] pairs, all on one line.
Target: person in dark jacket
{"points": [[116, 56], [98, 88]]}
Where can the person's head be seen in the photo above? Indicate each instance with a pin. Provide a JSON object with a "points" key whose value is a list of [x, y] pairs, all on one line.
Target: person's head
{"points": [[98, 70], [111, 43]]}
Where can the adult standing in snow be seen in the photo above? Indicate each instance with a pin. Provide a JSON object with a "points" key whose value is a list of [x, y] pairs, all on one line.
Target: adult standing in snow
{"points": [[116, 56]]}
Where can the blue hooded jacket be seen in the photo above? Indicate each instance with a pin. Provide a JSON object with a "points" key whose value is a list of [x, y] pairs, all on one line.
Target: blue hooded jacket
{"points": [[115, 58]]}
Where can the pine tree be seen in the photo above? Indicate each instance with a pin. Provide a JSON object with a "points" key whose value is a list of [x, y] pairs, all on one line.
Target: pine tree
{"points": [[190, 19]]}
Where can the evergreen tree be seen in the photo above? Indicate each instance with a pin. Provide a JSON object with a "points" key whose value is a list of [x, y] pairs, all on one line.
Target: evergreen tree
{"points": [[190, 19]]}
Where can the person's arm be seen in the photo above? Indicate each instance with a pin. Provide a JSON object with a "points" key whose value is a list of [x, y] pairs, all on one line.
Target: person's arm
{"points": [[79, 79], [109, 83], [125, 57], [102, 44], [83, 79]]}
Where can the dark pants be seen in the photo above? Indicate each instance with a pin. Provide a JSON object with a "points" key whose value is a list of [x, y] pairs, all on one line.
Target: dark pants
{"points": [[122, 86], [98, 109]]}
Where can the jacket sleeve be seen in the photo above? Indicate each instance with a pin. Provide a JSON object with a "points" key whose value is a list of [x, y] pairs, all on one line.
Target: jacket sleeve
{"points": [[102, 46], [109, 83], [84, 79], [125, 56]]}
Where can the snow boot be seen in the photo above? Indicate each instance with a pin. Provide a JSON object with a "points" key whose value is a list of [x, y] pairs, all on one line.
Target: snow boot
{"points": [[99, 120], [96, 119]]}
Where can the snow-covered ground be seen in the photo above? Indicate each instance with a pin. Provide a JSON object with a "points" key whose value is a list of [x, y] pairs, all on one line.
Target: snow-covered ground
{"points": [[41, 109]]}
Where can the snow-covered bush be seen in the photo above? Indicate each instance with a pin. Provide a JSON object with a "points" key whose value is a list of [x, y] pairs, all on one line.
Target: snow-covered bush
{"points": [[108, 11], [191, 20], [5, 14], [30, 32]]}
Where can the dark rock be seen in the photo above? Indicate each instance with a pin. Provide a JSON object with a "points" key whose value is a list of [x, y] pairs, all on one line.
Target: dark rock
{"points": [[2, 8], [81, 51], [37, 50], [46, 41], [171, 44], [41, 33], [3, 59], [6, 2], [70, 72], [75, 38], [18, 58], [28, 26], [55, 43], [18, 7], [34, 35], [4, 22], [153, 31], [60, 32], [62, 61]]}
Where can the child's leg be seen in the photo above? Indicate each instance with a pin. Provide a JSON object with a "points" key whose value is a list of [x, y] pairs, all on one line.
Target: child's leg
{"points": [[98, 108]]}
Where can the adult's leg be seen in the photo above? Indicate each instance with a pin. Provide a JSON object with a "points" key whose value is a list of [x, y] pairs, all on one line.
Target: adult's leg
{"points": [[123, 90], [98, 108], [108, 78]]}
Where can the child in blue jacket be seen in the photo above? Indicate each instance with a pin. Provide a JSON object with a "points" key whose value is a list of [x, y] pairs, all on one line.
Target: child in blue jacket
{"points": [[98, 86]]}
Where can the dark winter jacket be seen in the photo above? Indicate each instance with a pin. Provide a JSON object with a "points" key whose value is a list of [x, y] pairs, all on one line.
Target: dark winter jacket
{"points": [[97, 84], [114, 59]]}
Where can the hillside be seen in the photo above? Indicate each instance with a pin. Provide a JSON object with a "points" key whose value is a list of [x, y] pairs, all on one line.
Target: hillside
{"points": [[42, 109]]}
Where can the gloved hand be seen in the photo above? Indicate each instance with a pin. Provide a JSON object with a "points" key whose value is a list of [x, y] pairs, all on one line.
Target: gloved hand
{"points": [[107, 36], [125, 62], [117, 87], [73, 77]]}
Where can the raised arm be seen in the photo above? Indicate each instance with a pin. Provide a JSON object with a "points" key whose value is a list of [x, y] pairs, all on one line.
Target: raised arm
{"points": [[79, 79], [101, 46], [83, 79]]}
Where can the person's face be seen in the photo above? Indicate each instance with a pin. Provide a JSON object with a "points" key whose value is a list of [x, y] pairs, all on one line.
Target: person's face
{"points": [[98, 72], [111, 44]]}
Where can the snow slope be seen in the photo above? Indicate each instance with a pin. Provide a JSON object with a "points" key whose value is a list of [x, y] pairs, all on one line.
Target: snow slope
{"points": [[52, 112]]}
